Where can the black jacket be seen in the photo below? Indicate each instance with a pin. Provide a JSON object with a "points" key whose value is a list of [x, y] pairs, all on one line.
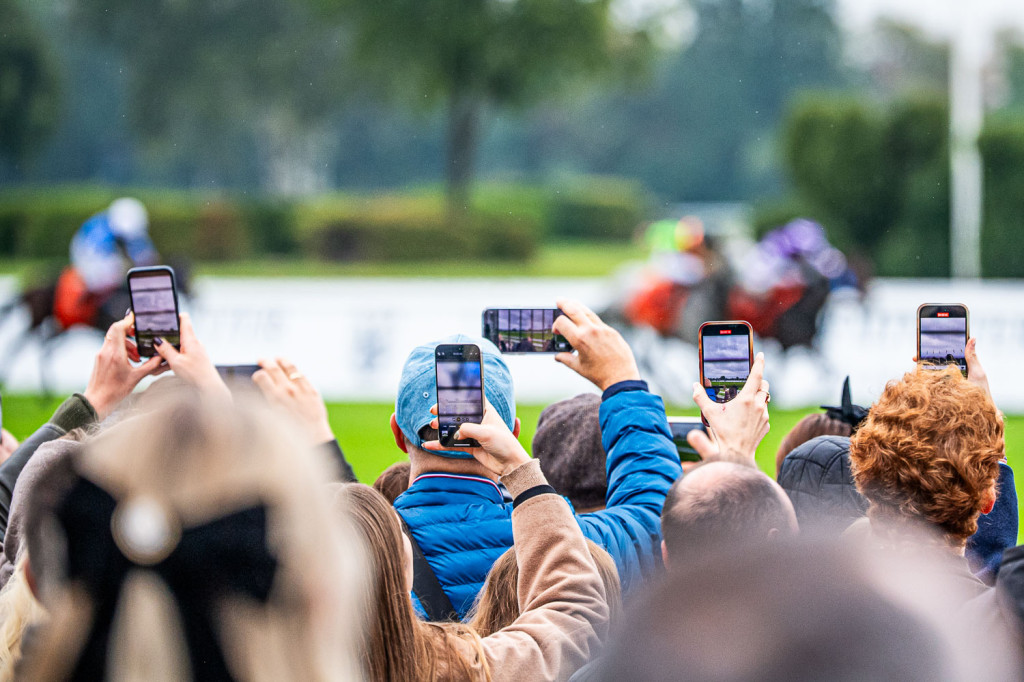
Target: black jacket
{"points": [[816, 476]]}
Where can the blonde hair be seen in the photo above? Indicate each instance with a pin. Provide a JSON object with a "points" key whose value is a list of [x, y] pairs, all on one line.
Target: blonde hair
{"points": [[19, 610], [497, 605], [202, 458]]}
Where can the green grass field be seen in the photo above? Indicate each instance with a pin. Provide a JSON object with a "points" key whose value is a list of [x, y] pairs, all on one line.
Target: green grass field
{"points": [[362, 429]]}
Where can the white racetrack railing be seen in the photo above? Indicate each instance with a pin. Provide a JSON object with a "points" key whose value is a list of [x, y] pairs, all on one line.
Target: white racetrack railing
{"points": [[351, 336]]}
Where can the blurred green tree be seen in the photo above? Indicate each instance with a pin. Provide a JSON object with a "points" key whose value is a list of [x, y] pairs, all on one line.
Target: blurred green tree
{"points": [[217, 88], [471, 54], [705, 127], [29, 85], [877, 175]]}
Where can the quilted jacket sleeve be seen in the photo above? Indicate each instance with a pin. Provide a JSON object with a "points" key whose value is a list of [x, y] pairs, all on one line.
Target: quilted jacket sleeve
{"points": [[642, 465]]}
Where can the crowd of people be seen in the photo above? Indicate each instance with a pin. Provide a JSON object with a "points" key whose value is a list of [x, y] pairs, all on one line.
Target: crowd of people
{"points": [[193, 531]]}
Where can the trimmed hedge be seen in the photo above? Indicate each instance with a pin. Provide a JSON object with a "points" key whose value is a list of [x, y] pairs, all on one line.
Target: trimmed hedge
{"points": [[41, 223], [409, 229], [1002, 234], [506, 222], [597, 208], [882, 175]]}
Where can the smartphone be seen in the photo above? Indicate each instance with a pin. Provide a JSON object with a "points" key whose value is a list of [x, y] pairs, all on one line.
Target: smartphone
{"points": [[726, 352], [524, 330], [460, 391], [155, 304], [942, 333], [680, 426], [237, 372]]}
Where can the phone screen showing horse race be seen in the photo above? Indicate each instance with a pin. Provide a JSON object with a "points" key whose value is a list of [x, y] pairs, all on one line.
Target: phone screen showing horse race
{"points": [[725, 360], [524, 330], [460, 396], [943, 337], [156, 310]]}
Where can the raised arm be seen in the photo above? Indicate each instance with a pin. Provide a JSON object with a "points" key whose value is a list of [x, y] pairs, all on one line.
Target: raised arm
{"points": [[113, 378], [563, 607], [289, 390], [642, 461]]}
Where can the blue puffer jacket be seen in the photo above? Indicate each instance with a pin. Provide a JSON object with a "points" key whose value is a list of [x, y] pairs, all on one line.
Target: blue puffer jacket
{"points": [[464, 523]]}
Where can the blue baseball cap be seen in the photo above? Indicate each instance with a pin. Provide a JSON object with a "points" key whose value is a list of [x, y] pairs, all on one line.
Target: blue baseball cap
{"points": [[417, 389]]}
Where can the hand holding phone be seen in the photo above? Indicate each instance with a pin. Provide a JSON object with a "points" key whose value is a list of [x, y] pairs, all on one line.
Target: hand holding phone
{"points": [[191, 363], [737, 426], [113, 375], [460, 391], [287, 389], [942, 334], [154, 300], [499, 450], [681, 428], [602, 356]]}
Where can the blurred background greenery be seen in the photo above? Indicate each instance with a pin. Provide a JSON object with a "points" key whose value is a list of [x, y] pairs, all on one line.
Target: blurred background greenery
{"points": [[353, 131]]}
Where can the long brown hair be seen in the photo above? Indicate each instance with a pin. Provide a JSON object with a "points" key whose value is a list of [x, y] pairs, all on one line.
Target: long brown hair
{"points": [[497, 606], [398, 647]]}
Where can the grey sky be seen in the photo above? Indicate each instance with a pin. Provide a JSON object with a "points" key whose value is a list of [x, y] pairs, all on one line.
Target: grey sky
{"points": [[936, 17]]}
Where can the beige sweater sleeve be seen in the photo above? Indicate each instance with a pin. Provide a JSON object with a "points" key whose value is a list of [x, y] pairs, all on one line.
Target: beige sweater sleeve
{"points": [[564, 610]]}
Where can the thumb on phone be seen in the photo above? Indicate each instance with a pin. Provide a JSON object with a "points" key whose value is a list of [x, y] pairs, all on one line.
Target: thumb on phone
{"points": [[700, 396], [470, 430], [700, 442]]}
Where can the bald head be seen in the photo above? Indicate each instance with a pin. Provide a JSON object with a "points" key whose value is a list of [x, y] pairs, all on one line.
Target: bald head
{"points": [[723, 502]]}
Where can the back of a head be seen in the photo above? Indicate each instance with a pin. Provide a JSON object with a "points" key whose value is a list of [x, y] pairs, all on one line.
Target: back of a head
{"points": [[928, 452], [497, 605], [811, 426], [417, 391], [397, 646], [723, 503], [816, 476], [798, 611], [393, 481], [390, 636], [196, 536], [568, 445]]}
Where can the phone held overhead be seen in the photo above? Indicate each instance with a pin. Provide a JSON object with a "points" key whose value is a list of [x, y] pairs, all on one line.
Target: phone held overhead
{"points": [[942, 333], [154, 296], [460, 391], [523, 330], [726, 353], [680, 428]]}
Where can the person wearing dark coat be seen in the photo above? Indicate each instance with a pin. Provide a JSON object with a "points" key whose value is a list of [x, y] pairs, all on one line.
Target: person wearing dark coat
{"points": [[817, 478]]}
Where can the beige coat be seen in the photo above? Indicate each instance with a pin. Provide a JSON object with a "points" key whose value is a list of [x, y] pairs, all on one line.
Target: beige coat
{"points": [[564, 610]]}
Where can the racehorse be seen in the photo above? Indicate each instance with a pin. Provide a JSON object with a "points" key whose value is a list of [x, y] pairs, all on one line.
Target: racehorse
{"points": [[660, 320], [60, 305]]}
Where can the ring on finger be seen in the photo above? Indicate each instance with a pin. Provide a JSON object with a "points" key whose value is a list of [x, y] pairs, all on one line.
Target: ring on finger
{"points": [[294, 375]]}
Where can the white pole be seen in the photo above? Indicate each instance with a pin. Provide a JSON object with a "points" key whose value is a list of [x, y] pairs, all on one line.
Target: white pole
{"points": [[966, 118]]}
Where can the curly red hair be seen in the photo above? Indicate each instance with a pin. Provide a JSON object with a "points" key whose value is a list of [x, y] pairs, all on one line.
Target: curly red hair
{"points": [[928, 451]]}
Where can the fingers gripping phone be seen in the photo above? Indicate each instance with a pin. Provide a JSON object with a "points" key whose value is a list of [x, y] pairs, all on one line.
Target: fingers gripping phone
{"points": [[726, 353], [523, 330], [942, 333], [155, 306], [460, 391], [680, 428]]}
